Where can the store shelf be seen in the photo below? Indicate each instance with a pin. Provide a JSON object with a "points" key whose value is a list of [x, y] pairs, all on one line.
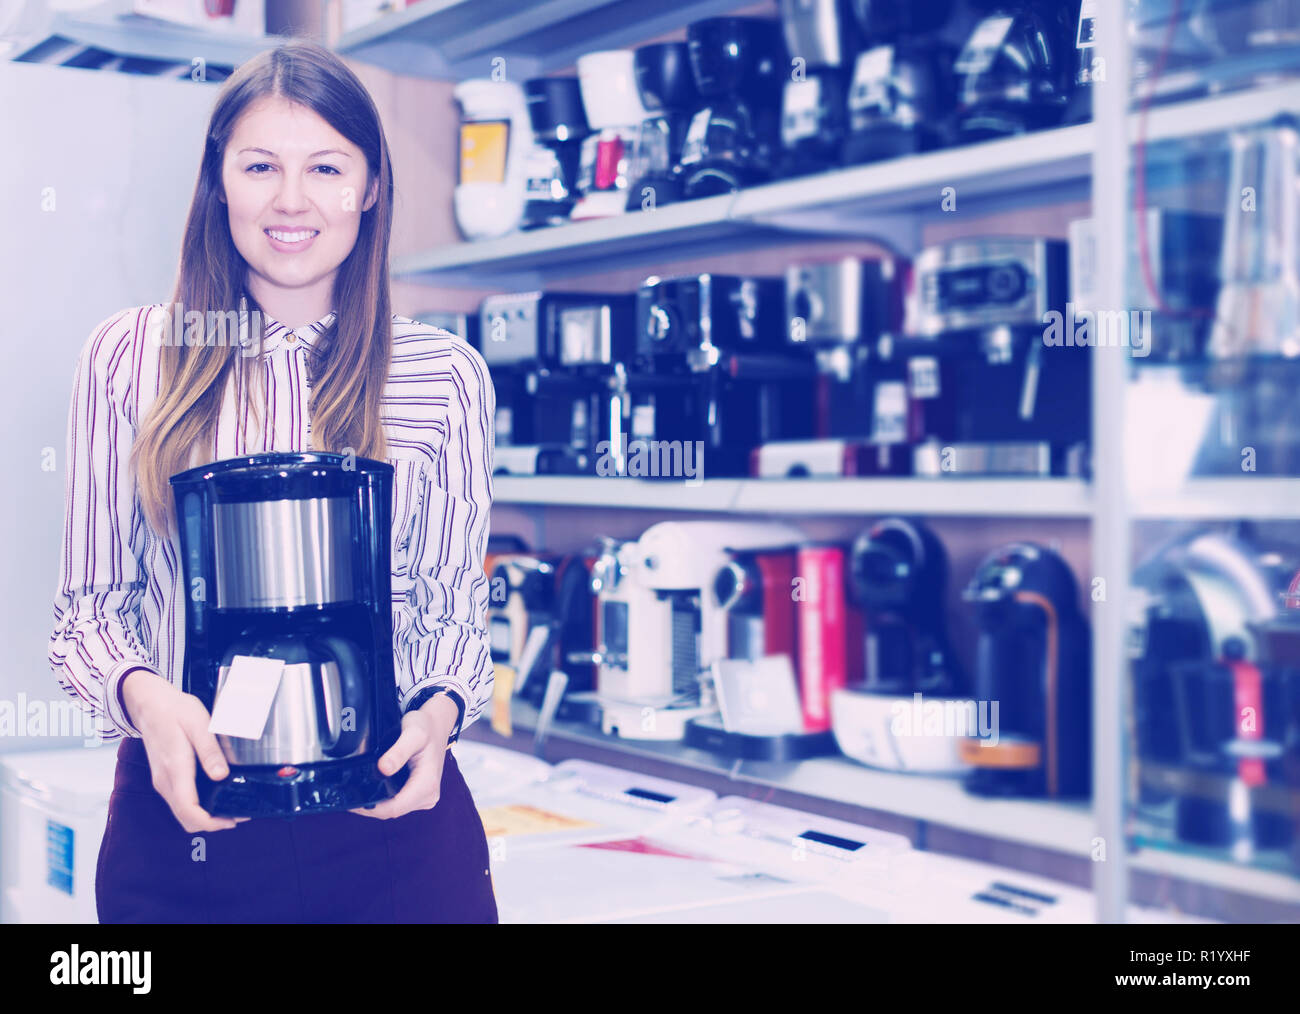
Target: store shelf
{"points": [[455, 39], [1062, 827], [1062, 498], [1223, 873], [70, 38], [1253, 497]]}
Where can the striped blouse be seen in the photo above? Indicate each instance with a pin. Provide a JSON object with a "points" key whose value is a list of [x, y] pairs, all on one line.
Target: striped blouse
{"points": [[118, 604]]}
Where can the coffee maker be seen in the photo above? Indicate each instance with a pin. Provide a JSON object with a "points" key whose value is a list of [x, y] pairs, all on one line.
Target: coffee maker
{"points": [[711, 370], [287, 558], [559, 128], [838, 312], [1005, 395], [495, 143], [660, 627], [614, 111], [822, 39], [1016, 71], [734, 140], [667, 89], [1033, 662], [1254, 344], [1214, 662], [903, 88]]}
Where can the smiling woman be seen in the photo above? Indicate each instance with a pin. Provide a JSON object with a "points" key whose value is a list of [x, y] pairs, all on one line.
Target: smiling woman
{"points": [[291, 216]]}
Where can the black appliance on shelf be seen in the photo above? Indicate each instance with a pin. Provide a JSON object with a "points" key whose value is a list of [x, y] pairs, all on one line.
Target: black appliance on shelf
{"points": [[1033, 661], [898, 574], [821, 37], [734, 140], [559, 128], [293, 550], [1016, 70], [667, 88], [902, 89]]}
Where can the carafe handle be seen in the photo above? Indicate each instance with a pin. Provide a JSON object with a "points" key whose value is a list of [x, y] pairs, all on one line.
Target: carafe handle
{"points": [[343, 742]]}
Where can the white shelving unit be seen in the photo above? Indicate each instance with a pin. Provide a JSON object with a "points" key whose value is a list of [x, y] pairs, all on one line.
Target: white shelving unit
{"points": [[890, 202]]}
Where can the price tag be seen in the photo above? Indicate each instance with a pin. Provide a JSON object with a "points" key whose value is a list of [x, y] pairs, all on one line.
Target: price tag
{"points": [[643, 422], [982, 47], [244, 701], [799, 117], [1087, 37], [889, 417], [871, 76], [923, 377]]}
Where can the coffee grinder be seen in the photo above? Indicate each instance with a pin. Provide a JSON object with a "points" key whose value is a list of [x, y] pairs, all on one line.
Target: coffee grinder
{"points": [[734, 139], [1033, 662], [559, 128], [287, 559]]}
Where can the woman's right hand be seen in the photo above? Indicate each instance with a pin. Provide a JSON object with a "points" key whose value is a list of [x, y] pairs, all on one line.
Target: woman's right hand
{"points": [[174, 727]]}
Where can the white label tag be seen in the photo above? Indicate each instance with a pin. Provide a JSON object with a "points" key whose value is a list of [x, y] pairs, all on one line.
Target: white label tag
{"points": [[1087, 36], [923, 377], [244, 701], [983, 45], [799, 118], [643, 422], [890, 415], [871, 78]]}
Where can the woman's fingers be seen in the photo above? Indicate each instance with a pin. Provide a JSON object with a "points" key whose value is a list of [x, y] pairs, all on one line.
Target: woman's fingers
{"points": [[413, 739]]}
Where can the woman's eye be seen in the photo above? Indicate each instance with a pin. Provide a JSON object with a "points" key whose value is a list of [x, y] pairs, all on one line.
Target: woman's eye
{"points": [[332, 170], [257, 165]]}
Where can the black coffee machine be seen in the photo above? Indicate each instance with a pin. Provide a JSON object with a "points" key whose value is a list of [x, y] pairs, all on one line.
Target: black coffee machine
{"points": [[667, 88], [1016, 70], [898, 573], [734, 140], [821, 37], [903, 87], [712, 372], [286, 558], [839, 313], [1033, 660], [559, 128], [1007, 395], [1216, 689]]}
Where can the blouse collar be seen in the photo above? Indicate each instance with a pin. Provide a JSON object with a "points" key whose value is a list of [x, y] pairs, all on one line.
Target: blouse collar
{"points": [[275, 334]]}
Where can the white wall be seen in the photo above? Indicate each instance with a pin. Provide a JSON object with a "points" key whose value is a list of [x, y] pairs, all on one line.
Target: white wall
{"points": [[121, 154]]}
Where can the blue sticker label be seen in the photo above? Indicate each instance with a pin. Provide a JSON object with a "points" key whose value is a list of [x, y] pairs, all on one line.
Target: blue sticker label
{"points": [[59, 853]]}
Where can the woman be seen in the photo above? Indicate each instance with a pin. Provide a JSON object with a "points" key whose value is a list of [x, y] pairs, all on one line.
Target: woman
{"points": [[290, 222]]}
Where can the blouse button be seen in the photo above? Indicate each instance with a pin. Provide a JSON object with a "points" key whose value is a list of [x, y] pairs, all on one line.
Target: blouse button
{"points": [[292, 338]]}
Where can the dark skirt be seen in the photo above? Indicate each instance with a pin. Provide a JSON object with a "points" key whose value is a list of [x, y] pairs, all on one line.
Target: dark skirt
{"points": [[423, 867]]}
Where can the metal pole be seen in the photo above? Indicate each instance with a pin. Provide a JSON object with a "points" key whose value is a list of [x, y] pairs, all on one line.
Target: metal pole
{"points": [[1110, 525]]}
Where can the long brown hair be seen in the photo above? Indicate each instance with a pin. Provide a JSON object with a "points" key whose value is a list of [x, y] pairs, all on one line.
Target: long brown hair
{"points": [[349, 364]]}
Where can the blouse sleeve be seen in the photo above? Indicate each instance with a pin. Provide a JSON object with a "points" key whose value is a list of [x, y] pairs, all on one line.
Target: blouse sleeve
{"points": [[96, 639], [444, 645]]}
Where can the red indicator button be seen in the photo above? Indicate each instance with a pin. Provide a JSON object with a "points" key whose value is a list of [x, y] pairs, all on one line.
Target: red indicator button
{"points": [[287, 772]]}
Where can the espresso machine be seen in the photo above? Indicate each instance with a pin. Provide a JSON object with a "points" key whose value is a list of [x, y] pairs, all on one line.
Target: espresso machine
{"points": [[712, 370], [822, 39], [1005, 398], [734, 139], [615, 113], [667, 89], [551, 356], [522, 599], [1016, 70], [289, 556], [902, 90], [660, 628], [1033, 660], [1215, 692], [897, 583], [838, 312], [1254, 343], [495, 143], [559, 128]]}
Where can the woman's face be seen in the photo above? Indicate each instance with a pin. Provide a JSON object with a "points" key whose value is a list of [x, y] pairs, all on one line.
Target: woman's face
{"points": [[295, 189]]}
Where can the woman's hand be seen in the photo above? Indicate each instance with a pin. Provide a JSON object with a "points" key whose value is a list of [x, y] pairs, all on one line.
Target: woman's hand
{"points": [[423, 742], [174, 727]]}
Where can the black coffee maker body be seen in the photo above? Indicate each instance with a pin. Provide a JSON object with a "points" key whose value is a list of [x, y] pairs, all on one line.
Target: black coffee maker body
{"points": [[1033, 658], [286, 557]]}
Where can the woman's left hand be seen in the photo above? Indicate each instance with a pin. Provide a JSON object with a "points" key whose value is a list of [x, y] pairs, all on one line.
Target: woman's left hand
{"points": [[423, 743]]}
